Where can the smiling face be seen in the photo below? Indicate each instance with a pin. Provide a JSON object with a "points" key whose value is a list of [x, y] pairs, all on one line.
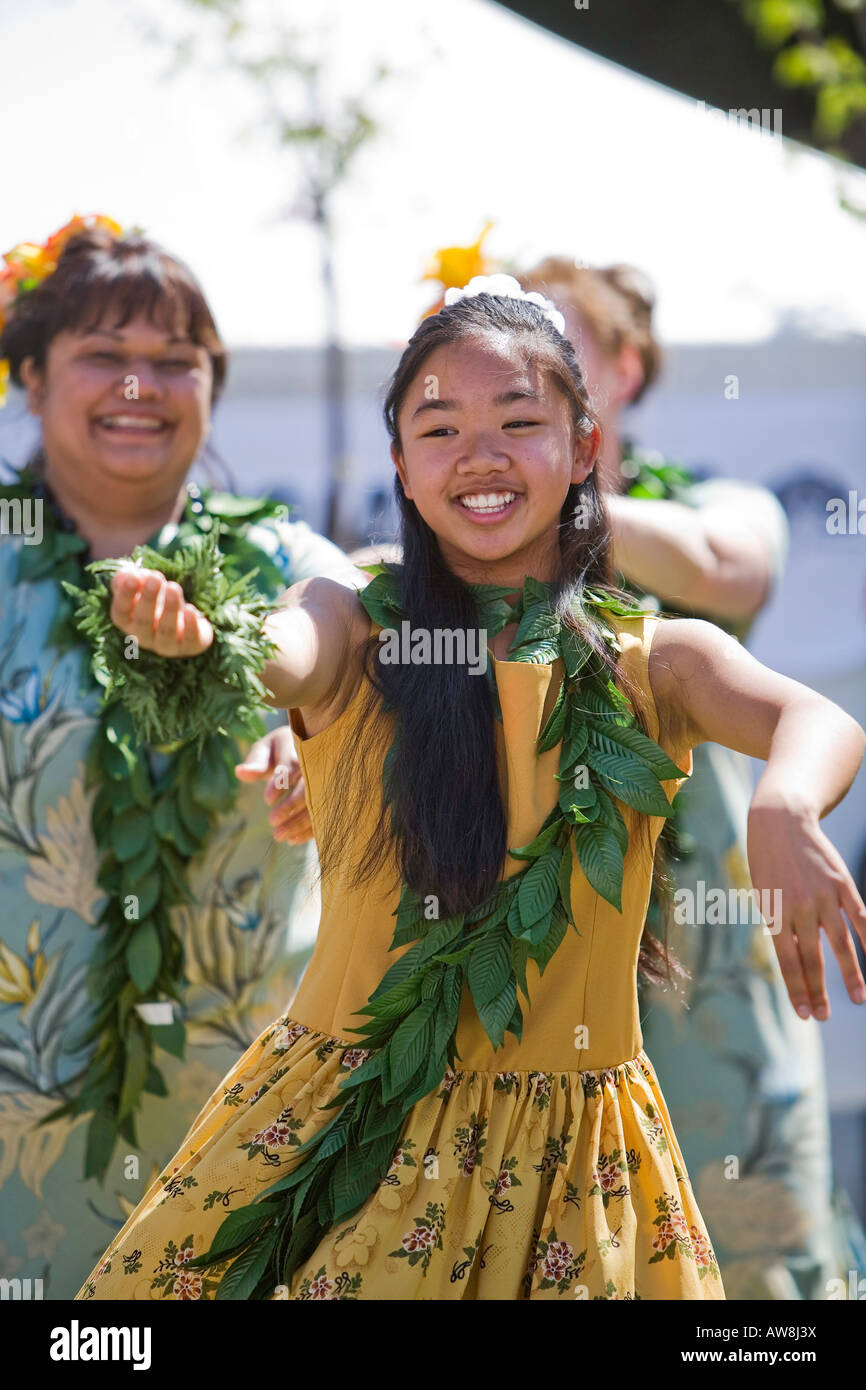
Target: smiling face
{"points": [[126, 407], [487, 453]]}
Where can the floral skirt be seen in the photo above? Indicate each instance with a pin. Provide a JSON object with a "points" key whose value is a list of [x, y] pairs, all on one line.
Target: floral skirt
{"points": [[504, 1185]]}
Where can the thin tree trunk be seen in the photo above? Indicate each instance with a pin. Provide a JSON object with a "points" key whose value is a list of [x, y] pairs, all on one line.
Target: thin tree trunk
{"points": [[335, 392]]}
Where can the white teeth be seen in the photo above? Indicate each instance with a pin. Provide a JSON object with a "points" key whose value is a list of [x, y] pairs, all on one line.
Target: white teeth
{"points": [[487, 501], [134, 422]]}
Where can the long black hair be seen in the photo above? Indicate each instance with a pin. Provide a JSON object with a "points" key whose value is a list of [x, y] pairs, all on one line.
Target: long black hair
{"points": [[444, 820]]}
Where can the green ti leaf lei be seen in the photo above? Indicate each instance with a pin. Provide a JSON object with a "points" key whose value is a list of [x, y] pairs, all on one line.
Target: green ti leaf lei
{"points": [[149, 824], [413, 1012]]}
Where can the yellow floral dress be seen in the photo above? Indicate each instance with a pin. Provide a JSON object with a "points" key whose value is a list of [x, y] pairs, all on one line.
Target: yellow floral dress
{"points": [[545, 1170]]}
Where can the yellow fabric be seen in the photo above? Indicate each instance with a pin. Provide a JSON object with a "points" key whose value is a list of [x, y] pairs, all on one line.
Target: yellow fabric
{"points": [[546, 1169]]}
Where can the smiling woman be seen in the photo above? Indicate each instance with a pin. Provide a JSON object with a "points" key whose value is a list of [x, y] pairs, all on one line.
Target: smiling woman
{"points": [[121, 360], [117, 349]]}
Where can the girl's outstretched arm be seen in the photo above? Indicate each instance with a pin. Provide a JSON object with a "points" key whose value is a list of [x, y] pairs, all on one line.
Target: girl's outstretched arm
{"points": [[316, 627], [706, 685]]}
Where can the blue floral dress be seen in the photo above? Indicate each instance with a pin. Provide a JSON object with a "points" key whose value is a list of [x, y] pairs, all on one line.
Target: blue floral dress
{"points": [[247, 939]]}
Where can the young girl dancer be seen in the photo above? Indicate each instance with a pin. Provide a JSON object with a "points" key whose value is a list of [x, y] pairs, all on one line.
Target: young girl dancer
{"points": [[430, 1134]]}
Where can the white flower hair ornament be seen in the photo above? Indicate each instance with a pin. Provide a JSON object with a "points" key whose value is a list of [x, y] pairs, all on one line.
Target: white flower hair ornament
{"points": [[506, 286]]}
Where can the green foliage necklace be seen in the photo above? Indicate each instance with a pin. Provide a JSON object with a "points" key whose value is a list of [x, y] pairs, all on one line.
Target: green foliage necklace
{"points": [[413, 1012], [149, 824]]}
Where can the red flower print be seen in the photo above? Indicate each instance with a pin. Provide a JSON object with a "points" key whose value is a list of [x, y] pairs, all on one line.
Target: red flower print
{"points": [[503, 1182], [187, 1286], [557, 1261], [467, 1167], [678, 1221], [421, 1238], [184, 1255], [608, 1177], [274, 1136], [700, 1245], [666, 1234], [321, 1287], [355, 1057]]}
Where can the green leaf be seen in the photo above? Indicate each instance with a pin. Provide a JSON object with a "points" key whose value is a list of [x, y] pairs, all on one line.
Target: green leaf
{"points": [[537, 892], [129, 833], [396, 1002], [578, 802], [155, 1082], [440, 937], [607, 737], [216, 785], [520, 949], [575, 743], [496, 1014], [409, 1045], [134, 1073], [241, 1279], [147, 890], [399, 971], [564, 879], [101, 1138], [544, 951], [194, 818], [629, 780], [553, 730], [143, 956], [538, 626], [140, 865], [381, 600], [575, 652], [489, 968], [171, 1037], [542, 842], [611, 816], [601, 859]]}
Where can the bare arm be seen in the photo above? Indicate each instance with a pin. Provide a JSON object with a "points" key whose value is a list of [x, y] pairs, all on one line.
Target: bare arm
{"points": [[706, 685], [315, 629], [713, 560]]}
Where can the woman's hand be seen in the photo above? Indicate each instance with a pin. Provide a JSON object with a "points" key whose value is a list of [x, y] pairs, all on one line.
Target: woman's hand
{"points": [[788, 851], [152, 609], [275, 754]]}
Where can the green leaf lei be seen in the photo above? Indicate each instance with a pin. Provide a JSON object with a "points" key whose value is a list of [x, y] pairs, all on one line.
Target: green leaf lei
{"points": [[413, 1012], [149, 824]]}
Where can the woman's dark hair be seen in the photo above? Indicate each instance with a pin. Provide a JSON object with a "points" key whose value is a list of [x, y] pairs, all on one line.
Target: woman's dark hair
{"points": [[99, 274], [447, 822]]}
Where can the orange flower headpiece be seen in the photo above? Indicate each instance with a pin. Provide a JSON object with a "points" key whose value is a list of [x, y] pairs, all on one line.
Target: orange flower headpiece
{"points": [[28, 264], [455, 266]]}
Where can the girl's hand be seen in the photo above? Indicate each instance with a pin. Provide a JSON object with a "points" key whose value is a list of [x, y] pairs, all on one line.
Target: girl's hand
{"points": [[153, 609], [275, 753], [789, 851]]}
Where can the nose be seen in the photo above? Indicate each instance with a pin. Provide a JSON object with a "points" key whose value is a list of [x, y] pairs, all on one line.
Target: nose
{"points": [[483, 453], [140, 380]]}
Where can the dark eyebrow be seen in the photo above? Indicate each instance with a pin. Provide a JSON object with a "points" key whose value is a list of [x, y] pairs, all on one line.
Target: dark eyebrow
{"points": [[509, 397], [506, 398], [435, 405], [118, 336]]}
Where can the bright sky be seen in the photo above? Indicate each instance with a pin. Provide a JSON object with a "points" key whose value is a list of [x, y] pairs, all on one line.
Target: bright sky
{"points": [[489, 118]]}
